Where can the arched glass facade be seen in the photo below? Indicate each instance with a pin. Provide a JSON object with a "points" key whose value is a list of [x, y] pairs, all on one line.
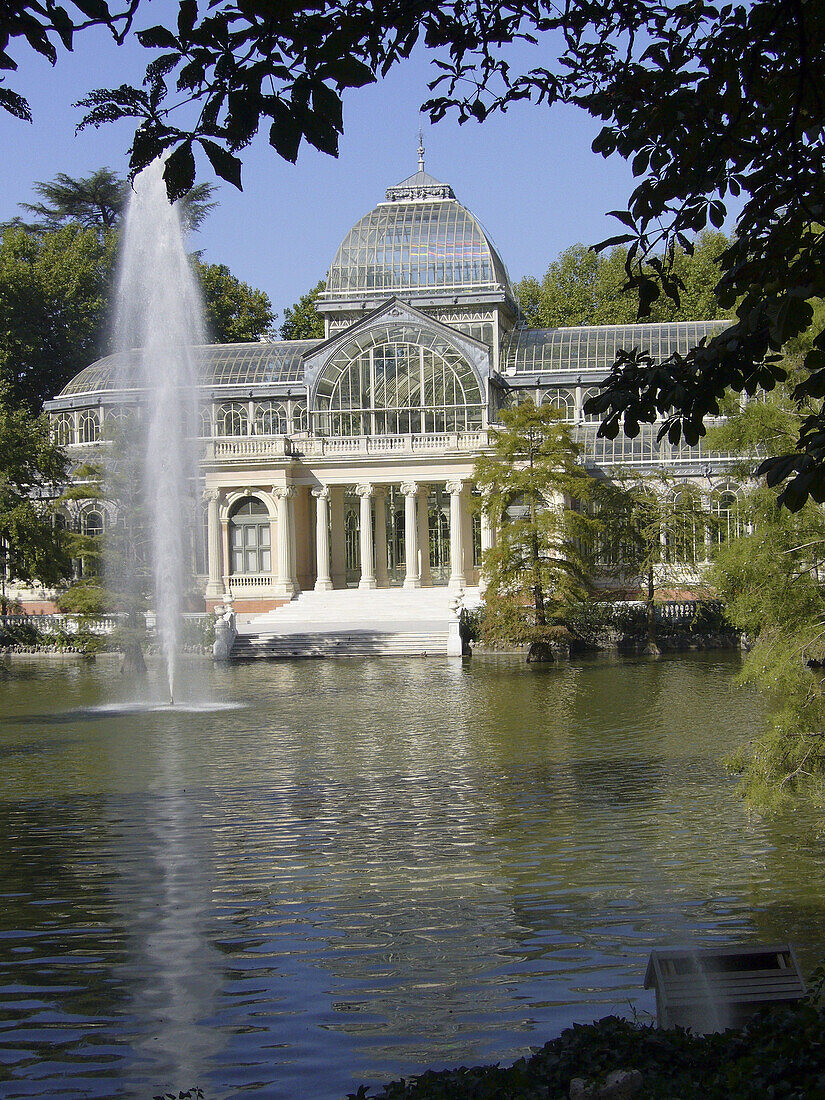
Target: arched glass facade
{"points": [[397, 380]]}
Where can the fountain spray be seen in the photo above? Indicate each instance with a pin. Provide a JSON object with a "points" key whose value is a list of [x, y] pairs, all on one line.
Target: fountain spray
{"points": [[158, 325]]}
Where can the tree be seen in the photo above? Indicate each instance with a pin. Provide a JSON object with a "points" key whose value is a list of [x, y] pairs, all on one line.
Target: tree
{"points": [[705, 102], [54, 295], [653, 530], [234, 311], [584, 287], [32, 471], [303, 321], [122, 580], [773, 582], [536, 572], [55, 301], [99, 201]]}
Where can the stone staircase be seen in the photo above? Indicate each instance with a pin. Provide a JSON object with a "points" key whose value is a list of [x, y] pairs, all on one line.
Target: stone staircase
{"points": [[382, 622]]}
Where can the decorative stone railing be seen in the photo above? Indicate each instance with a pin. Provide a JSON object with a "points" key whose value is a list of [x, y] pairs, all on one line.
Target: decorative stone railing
{"points": [[68, 624], [260, 448], [644, 451], [249, 580]]}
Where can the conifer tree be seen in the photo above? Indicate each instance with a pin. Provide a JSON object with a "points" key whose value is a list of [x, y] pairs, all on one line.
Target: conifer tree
{"points": [[533, 490]]}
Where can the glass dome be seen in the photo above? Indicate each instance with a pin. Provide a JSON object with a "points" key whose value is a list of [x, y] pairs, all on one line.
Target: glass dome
{"points": [[420, 239]]}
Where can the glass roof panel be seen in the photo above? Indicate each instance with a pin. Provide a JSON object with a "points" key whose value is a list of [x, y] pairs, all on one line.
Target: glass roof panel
{"points": [[592, 348], [416, 245], [221, 365]]}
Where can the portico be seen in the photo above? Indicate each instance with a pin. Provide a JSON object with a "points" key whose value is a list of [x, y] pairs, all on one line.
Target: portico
{"points": [[267, 543]]}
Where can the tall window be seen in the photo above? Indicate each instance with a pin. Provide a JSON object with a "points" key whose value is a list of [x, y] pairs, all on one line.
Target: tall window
{"points": [[63, 429], [398, 380], [88, 426], [590, 418], [684, 533], [564, 401], [726, 517], [249, 542], [271, 418], [232, 418]]}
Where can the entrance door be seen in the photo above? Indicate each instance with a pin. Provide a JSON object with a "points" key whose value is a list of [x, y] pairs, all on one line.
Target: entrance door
{"points": [[438, 513], [352, 543], [396, 557]]}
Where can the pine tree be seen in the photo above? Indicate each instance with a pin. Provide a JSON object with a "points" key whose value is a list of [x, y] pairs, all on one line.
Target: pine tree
{"points": [[533, 490]]}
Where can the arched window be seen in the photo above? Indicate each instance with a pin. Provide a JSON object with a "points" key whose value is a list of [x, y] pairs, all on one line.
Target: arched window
{"points": [[726, 517], [398, 380], [63, 429], [232, 418], [93, 523], [88, 427], [116, 415], [271, 418], [684, 530], [300, 420], [564, 401], [590, 418], [249, 542], [206, 422], [352, 544]]}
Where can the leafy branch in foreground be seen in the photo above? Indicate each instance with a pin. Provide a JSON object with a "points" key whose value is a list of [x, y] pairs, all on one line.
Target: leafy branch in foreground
{"points": [[710, 106]]}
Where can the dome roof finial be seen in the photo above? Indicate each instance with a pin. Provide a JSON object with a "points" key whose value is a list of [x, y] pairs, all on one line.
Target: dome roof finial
{"points": [[420, 150]]}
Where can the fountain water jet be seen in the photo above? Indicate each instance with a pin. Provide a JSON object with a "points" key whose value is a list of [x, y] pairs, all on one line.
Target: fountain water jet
{"points": [[158, 324]]}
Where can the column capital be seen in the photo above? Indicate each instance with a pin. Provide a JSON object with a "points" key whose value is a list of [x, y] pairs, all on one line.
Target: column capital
{"points": [[283, 492], [364, 489], [322, 493], [455, 486], [409, 488], [212, 495]]}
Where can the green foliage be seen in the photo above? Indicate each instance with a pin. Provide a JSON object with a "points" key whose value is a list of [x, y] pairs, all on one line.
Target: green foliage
{"points": [[99, 202], [54, 292], [779, 1054], [772, 582], [706, 103], [585, 287], [536, 571], [303, 321], [56, 282], [32, 471], [116, 485], [234, 311], [45, 635]]}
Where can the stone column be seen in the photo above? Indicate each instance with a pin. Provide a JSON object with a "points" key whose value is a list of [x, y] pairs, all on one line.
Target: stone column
{"points": [[488, 538], [367, 572], [412, 577], [323, 580], [336, 513], [214, 588], [286, 567], [382, 579], [457, 579], [227, 560]]}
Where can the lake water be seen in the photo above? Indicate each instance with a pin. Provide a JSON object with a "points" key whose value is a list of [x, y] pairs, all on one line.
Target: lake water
{"points": [[366, 868]]}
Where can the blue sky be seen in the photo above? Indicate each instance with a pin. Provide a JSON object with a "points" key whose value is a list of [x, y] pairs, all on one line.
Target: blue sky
{"points": [[529, 175]]}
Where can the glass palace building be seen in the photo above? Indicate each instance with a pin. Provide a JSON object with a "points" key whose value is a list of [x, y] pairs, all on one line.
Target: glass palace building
{"points": [[348, 461]]}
